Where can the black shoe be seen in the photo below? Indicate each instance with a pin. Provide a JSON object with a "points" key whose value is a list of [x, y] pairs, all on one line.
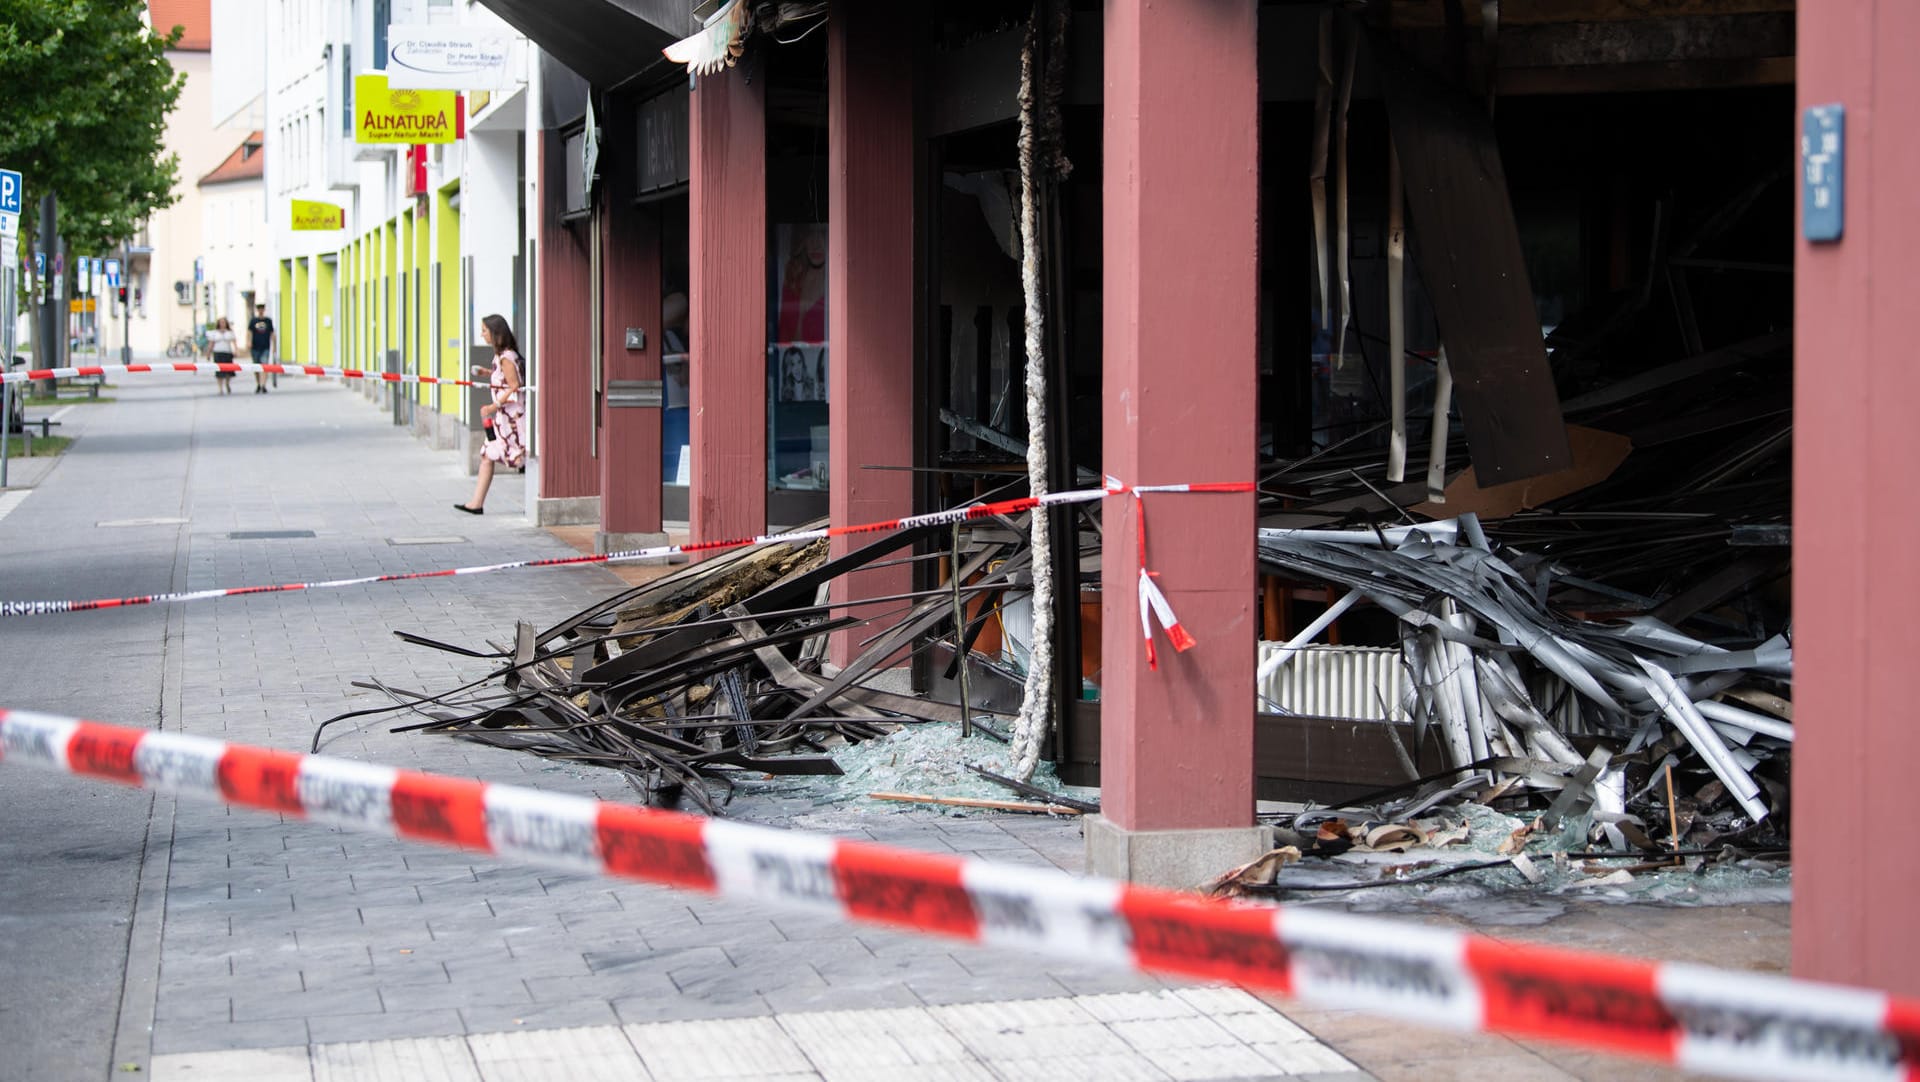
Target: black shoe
{"points": [[469, 510]]}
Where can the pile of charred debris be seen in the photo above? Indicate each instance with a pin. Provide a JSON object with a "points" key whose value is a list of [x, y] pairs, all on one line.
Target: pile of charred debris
{"points": [[1612, 666], [1605, 673], [714, 672]]}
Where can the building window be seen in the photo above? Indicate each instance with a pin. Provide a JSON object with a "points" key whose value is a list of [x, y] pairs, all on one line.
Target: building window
{"points": [[797, 358]]}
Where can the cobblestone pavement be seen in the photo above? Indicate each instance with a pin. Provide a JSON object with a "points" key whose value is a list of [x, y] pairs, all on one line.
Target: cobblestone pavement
{"points": [[231, 941]]}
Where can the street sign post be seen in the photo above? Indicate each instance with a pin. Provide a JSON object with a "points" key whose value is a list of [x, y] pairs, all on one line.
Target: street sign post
{"points": [[12, 191]]}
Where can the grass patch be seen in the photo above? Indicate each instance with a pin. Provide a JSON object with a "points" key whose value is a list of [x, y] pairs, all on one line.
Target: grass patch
{"points": [[69, 400], [42, 448]]}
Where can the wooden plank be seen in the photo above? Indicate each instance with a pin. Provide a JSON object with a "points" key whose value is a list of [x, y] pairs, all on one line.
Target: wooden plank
{"points": [[1423, 13], [1467, 246], [1728, 37], [1641, 78], [1596, 455]]}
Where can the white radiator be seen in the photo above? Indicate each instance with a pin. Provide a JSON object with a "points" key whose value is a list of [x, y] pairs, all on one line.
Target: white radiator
{"points": [[1359, 682], [1365, 683]]}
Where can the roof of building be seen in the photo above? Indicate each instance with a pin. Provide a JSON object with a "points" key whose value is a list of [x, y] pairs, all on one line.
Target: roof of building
{"points": [[247, 162], [195, 15]]}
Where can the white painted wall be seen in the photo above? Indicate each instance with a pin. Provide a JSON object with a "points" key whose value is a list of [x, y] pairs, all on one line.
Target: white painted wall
{"points": [[175, 233], [233, 217], [238, 97]]}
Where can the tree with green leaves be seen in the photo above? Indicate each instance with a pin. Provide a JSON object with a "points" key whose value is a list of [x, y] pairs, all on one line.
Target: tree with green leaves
{"points": [[86, 92]]}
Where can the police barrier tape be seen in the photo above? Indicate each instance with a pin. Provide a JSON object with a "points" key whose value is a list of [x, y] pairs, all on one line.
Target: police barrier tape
{"points": [[938, 518], [230, 369], [1698, 1018], [1154, 602]]}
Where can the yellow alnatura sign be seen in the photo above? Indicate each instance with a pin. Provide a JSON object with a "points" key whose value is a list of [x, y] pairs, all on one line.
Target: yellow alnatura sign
{"points": [[383, 115], [309, 215]]}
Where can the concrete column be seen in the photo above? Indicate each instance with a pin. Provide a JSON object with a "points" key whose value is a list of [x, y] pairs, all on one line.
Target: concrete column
{"points": [[728, 306], [629, 436], [1854, 575], [870, 287], [1180, 276]]}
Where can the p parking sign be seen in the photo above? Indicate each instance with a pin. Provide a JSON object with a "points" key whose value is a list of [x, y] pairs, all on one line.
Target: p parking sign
{"points": [[11, 190]]}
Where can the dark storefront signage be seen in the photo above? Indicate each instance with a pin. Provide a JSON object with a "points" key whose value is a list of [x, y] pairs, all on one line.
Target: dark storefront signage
{"points": [[664, 160]]}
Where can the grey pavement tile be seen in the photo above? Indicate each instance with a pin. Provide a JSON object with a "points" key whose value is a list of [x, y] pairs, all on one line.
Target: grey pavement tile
{"points": [[657, 961], [672, 1006], [917, 969], [1094, 980], [199, 1006], [277, 1033], [386, 1025], [725, 984], [542, 1015], [559, 963], [322, 978], [730, 935], [411, 996], [617, 924], [266, 1007], [974, 990], [403, 915], [254, 960], [839, 997], [543, 905], [206, 967], [797, 927], [605, 986]]}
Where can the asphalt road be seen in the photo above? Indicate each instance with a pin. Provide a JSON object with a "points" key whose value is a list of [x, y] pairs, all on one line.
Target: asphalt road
{"points": [[71, 855]]}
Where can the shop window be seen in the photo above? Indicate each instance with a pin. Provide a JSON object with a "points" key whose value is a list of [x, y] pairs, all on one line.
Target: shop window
{"points": [[676, 427], [797, 358]]}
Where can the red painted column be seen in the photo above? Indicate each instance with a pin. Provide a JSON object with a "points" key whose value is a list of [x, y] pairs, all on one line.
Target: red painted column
{"points": [[1180, 276], [870, 287], [728, 317], [629, 437], [1856, 391], [563, 374]]}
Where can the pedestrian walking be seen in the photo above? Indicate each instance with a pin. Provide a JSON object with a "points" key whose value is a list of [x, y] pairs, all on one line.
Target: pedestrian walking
{"points": [[263, 340], [220, 346], [503, 418]]}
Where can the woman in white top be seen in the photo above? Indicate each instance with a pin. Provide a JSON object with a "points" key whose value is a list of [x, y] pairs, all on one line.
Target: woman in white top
{"points": [[220, 346]]}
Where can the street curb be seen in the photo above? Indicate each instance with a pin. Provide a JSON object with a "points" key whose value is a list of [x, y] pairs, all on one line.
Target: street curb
{"points": [[140, 981]]}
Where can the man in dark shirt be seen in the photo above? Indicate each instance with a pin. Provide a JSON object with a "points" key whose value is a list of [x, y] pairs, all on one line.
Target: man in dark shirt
{"points": [[263, 339]]}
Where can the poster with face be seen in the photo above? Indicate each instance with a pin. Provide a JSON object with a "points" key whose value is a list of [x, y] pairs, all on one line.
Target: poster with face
{"points": [[800, 373], [800, 314]]}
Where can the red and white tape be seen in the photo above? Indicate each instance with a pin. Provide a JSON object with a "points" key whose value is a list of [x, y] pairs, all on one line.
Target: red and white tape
{"points": [[191, 367], [1739, 1024], [937, 518]]}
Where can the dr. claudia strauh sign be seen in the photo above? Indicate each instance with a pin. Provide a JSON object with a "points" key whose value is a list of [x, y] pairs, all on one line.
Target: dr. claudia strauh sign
{"points": [[449, 58]]}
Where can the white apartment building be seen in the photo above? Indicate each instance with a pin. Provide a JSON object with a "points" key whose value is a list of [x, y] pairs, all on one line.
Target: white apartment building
{"points": [[160, 266], [238, 260], [402, 284]]}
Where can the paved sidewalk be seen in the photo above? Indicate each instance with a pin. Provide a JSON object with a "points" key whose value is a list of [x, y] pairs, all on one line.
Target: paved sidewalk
{"points": [[1191, 1033], [240, 931]]}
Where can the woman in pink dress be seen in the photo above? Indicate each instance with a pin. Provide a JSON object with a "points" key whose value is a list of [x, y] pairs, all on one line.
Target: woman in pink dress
{"points": [[504, 418]]}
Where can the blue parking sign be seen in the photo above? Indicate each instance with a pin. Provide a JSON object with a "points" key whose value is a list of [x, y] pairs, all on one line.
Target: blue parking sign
{"points": [[10, 191]]}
